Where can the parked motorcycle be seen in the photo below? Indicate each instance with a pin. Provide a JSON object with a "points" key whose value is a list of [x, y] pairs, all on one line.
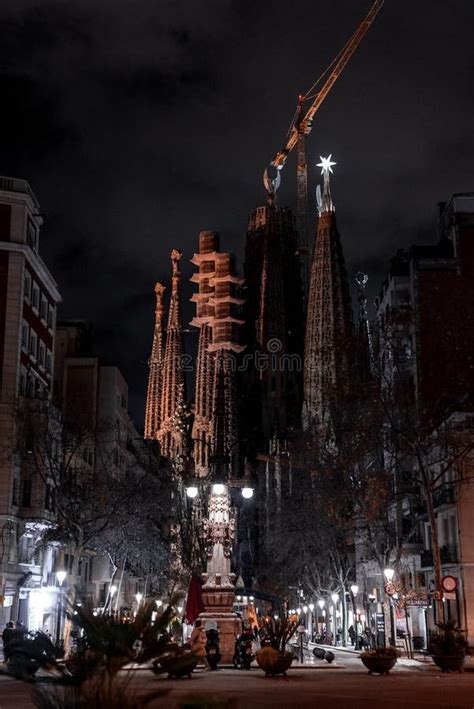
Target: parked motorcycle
{"points": [[27, 652], [213, 653], [243, 652]]}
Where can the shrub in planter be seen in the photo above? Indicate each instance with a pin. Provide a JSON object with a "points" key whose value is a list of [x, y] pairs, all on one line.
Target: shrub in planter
{"points": [[273, 662], [274, 659], [448, 647], [381, 660]]}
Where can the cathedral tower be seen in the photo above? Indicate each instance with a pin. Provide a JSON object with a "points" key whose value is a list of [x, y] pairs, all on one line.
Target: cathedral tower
{"points": [[171, 433], [329, 319], [155, 364]]}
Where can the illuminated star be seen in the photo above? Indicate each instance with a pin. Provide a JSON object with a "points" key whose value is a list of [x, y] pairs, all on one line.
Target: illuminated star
{"points": [[325, 164]]}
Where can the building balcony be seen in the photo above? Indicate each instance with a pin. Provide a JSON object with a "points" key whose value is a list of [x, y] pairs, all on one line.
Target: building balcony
{"points": [[443, 496], [448, 553]]}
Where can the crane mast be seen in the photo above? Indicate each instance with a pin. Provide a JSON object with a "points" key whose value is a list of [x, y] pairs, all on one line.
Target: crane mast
{"points": [[301, 127]]}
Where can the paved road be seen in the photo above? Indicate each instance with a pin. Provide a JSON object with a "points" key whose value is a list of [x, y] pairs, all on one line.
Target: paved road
{"points": [[345, 686]]}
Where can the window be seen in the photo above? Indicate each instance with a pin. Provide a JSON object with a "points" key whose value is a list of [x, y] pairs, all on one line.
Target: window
{"points": [[33, 344], [27, 292], [26, 493], [50, 319], [15, 492], [44, 308], [23, 381], [49, 361], [25, 331], [35, 296], [42, 354], [32, 235]]}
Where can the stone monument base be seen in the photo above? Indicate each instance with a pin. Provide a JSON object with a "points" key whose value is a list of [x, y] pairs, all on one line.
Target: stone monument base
{"points": [[229, 626]]}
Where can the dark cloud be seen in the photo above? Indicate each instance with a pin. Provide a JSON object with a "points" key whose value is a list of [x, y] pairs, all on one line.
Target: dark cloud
{"points": [[139, 123]]}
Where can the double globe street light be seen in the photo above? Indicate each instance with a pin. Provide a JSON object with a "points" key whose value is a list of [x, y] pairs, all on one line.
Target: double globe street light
{"points": [[192, 491]]}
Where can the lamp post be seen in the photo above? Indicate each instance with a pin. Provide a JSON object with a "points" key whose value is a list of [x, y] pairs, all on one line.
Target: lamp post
{"points": [[354, 592], [335, 599], [321, 605], [61, 577], [389, 573]]}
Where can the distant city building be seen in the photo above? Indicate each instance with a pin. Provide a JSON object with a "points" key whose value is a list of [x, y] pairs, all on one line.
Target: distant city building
{"points": [[29, 297]]}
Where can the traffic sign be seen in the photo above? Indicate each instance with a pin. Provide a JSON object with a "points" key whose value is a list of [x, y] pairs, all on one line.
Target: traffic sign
{"points": [[449, 583]]}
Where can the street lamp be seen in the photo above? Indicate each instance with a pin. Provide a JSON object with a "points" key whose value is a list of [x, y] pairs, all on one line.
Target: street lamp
{"points": [[389, 573], [61, 577], [159, 603], [218, 489], [311, 607], [138, 597], [192, 492], [335, 598], [247, 493], [113, 591], [354, 592]]}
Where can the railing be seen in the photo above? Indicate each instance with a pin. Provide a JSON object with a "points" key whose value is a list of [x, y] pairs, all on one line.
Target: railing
{"points": [[448, 554]]}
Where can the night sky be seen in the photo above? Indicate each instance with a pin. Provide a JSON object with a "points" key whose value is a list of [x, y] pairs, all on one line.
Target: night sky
{"points": [[139, 123]]}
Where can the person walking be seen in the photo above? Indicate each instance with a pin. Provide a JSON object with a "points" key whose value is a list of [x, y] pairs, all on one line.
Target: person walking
{"points": [[7, 636], [198, 642]]}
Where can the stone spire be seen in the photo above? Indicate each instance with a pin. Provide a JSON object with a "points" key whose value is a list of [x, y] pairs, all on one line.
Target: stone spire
{"points": [[217, 303], [202, 425], [155, 364], [173, 408], [329, 319]]}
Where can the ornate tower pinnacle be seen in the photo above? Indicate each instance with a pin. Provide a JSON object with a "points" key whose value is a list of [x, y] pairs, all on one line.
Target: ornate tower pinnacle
{"points": [[172, 429], [329, 322], [155, 364], [325, 203]]}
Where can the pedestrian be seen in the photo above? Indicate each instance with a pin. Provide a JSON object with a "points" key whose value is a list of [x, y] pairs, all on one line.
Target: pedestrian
{"points": [[7, 636], [352, 634], [198, 642]]}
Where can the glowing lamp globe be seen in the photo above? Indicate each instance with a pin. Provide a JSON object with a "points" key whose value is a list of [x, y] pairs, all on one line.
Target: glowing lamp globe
{"points": [[354, 589], [218, 489], [247, 493], [321, 604], [61, 577], [311, 607], [389, 574], [335, 597], [192, 492]]}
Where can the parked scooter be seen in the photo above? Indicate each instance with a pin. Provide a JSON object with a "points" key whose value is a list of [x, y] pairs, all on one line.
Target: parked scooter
{"points": [[213, 653], [243, 652]]}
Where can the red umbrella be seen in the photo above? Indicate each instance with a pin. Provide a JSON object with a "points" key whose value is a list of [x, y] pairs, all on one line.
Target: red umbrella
{"points": [[194, 604]]}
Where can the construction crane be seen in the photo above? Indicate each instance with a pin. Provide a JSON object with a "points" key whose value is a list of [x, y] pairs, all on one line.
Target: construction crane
{"points": [[301, 126]]}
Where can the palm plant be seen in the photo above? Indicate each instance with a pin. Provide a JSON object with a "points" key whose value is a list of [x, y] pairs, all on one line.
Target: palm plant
{"points": [[280, 632]]}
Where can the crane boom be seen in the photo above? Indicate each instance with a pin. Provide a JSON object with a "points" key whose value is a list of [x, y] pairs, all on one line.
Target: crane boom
{"points": [[304, 125]]}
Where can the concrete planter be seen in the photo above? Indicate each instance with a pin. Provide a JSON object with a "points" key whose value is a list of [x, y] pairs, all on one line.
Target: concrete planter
{"points": [[449, 663], [379, 665], [273, 662]]}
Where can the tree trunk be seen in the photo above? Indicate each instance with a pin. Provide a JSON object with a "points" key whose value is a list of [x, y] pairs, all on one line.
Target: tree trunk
{"points": [[435, 551]]}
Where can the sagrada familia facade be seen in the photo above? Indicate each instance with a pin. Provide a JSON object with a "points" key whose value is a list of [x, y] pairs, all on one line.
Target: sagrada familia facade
{"points": [[271, 359]]}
